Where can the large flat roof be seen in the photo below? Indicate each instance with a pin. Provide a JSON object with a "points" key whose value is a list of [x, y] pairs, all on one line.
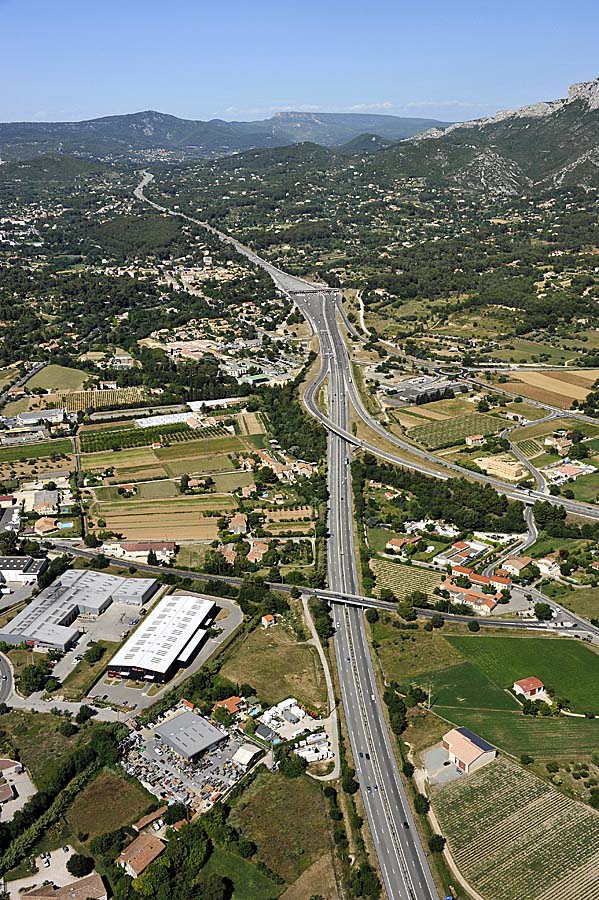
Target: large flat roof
{"points": [[189, 734], [47, 619], [169, 633]]}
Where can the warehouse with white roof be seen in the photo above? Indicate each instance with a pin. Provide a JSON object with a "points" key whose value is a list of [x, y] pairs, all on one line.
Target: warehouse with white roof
{"points": [[168, 637]]}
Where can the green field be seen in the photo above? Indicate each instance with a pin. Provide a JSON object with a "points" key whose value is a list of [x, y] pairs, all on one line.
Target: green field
{"points": [[249, 883], [403, 579], [108, 802], [278, 667], [463, 686], [35, 451], [514, 837], [58, 378], [543, 738], [286, 818], [567, 666], [447, 432]]}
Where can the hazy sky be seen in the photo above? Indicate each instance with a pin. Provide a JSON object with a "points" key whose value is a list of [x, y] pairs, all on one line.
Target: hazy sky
{"points": [[447, 59]]}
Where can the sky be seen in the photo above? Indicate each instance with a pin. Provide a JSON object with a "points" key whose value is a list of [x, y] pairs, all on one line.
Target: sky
{"points": [[66, 60]]}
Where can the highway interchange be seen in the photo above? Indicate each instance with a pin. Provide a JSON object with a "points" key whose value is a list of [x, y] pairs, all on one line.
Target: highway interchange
{"points": [[403, 863]]}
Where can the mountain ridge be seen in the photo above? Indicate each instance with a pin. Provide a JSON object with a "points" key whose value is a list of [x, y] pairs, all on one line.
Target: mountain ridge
{"points": [[152, 133]]}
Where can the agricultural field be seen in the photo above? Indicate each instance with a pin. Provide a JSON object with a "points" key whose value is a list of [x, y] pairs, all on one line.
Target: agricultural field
{"points": [[185, 518], [468, 676], [39, 450], [58, 378], [448, 432], [554, 388], [485, 816], [287, 820], [568, 666], [96, 441], [530, 447], [401, 579], [278, 666], [109, 802], [78, 400]]}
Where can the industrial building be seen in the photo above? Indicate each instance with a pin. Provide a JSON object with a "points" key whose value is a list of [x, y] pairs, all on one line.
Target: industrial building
{"points": [[24, 569], [190, 735], [167, 638], [47, 620]]}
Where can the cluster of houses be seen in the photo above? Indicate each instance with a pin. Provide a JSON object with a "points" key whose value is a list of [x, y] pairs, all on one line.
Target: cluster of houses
{"points": [[288, 470], [481, 592]]}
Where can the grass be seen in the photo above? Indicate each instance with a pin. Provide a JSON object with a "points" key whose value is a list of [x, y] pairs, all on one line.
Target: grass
{"points": [[248, 882], [464, 686], [277, 666], [36, 451], [37, 739], [107, 803], [485, 817], [208, 447], [584, 601], [448, 432], [286, 818], [586, 488], [567, 666], [406, 654], [546, 738], [81, 679], [58, 378], [191, 555]]}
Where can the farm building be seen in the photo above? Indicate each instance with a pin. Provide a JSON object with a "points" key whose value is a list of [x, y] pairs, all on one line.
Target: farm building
{"points": [[268, 620], [139, 854], [528, 687], [168, 638], [467, 750], [47, 620], [475, 440], [138, 550], [190, 735]]}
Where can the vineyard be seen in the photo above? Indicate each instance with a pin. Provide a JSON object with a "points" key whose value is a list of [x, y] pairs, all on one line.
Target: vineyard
{"points": [[74, 401], [178, 432], [403, 580], [447, 432], [514, 837], [530, 448]]}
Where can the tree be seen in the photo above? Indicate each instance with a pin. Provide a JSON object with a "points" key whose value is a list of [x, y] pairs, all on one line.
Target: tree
{"points": [[436, 843], [372, 615], [408, 769], [184, 483], [437, 621], [84, 714], [34, 678], [473, 626], [174, 813], [215, 887], [94, 654], [421, 804], [152, 558], [543, 612], [79, 866]]}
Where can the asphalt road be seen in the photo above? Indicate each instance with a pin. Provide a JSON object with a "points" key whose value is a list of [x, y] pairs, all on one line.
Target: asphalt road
{"points": [[402, 860]]}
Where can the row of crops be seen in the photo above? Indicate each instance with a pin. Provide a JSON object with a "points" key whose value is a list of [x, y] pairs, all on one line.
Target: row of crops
{"points": [[514, 837], [530, 447], [74, 401], [177, 432], [402, 580], [447, 432]]}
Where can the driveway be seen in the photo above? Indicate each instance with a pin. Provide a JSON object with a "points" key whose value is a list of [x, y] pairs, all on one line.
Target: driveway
{"points": [[56, 873]]}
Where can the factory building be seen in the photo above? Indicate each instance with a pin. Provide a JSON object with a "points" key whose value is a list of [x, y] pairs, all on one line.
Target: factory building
{"points": [[190, 735], [168, 638], [47, 621]]}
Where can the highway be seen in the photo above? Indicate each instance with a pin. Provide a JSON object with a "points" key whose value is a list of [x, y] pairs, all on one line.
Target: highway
{"points": [[402, 860]]}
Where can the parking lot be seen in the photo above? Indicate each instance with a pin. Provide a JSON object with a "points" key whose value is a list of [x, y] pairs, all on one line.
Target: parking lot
{"points": [[54, 871], [197, 784]]}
